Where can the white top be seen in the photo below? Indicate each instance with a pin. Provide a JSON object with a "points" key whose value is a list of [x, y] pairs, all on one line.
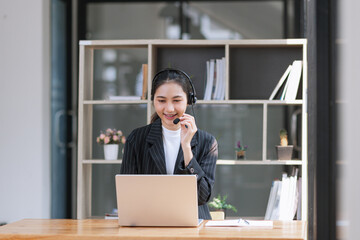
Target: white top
{"points": [[171, 141]]}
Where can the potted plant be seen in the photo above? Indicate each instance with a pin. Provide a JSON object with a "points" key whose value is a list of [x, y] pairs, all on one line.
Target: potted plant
{"points": [[284, 151], [111, 139], [220, 205], [240, 151]]}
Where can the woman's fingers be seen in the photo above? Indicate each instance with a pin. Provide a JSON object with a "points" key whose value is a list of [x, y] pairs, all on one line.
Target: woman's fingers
{"points": [[188, 119], [189, 124]]}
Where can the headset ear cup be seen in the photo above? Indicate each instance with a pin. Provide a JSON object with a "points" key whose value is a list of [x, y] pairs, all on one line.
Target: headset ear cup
{"points": [[192, 99]]}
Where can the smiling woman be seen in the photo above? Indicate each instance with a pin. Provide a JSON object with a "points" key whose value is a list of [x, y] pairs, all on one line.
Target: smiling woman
{"points": [[165, 147], [170, 102]]}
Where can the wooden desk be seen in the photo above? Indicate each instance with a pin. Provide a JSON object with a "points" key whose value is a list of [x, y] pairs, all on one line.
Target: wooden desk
{"points": [[109, 229]]}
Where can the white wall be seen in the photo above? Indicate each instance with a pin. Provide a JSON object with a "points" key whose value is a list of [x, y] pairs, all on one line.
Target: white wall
{"points": [[349, 83], [24, 109]]}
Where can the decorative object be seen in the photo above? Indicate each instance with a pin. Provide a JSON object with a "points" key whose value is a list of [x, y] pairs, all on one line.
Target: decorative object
{"points": [[284, 151], [219, 204], [111, 151], [111, 139], [240, 151], [217, 215]]}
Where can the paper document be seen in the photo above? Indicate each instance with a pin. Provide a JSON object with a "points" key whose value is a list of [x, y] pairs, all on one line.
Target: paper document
{"points": [[239, 223]]}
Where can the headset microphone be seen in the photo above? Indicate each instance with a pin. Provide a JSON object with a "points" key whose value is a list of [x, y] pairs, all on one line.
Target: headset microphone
{"points": [[177, 120]]}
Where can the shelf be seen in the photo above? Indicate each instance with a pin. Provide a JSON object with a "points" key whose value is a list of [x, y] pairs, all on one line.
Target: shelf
{"points": [[101, 161], [257, 162], [270, 102], [98, 102], [175, 43], [219, 162], [219, 102], [246, 113]]}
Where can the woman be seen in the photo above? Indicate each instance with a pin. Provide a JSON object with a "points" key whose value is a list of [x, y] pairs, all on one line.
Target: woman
{"points": [[165, 147]]}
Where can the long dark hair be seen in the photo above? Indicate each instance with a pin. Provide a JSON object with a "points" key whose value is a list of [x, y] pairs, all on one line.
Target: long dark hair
{"points": [[169, 75]]}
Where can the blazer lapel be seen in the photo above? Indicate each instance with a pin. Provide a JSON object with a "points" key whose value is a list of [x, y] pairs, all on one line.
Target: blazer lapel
{"points": [[156, 150]]}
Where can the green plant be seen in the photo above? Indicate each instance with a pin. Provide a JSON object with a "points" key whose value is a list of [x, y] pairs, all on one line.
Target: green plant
{"points": [[219, 203], [240, 147], [283, 137]]}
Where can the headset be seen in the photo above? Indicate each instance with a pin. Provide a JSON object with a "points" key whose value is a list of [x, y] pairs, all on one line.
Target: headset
{"points": [[192, 95]]}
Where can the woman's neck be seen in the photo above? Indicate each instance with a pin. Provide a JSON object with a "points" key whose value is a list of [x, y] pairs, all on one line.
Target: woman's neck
{"points": [[173, 127]]}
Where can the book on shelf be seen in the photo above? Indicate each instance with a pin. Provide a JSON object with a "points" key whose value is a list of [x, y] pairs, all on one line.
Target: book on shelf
{"points": [[272, 204], [215, 79], [282, 97], [209, 79], [294, 80], [217, 87], [221, 93], [283, 199], [280, 83], [145, 81], [289, 82]]}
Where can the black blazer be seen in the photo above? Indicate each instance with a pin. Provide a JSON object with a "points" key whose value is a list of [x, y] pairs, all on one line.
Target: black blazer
{"points": [[144, 154]]}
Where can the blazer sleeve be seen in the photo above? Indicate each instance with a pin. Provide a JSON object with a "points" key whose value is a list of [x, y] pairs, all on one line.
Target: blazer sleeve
{"points": [[204, 168], [128, 165]]}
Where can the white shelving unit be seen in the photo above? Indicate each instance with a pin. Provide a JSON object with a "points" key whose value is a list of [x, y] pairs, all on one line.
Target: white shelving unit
{"points": [[156, 49]]}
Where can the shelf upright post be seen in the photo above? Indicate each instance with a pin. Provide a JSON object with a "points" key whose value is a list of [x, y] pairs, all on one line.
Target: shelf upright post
{"points": [[304, 144], [85, 137], [151, 59]]}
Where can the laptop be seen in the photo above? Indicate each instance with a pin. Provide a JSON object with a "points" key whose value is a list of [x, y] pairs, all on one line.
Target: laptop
{"points": [[157, 200]]}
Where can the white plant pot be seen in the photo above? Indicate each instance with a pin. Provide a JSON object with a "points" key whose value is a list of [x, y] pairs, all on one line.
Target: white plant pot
{"points": [[111, 151]]}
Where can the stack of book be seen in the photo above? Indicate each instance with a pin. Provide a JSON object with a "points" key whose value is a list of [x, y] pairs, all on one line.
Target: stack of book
{"points": [[215, 79], [285, 198], [291, 78]]}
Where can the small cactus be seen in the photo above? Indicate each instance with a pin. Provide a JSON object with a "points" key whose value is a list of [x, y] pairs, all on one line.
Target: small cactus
{"points": [[283, 137]]}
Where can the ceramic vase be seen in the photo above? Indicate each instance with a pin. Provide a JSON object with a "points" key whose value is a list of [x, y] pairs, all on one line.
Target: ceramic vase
{"points": [[284, 152], [111, 151]]}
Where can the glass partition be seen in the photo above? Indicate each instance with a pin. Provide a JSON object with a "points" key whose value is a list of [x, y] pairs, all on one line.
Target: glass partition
{"points": [[245, 122], [103, 196], [289, 119], [122, 117], [190, 20], [118, 72], [247, 187]]}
